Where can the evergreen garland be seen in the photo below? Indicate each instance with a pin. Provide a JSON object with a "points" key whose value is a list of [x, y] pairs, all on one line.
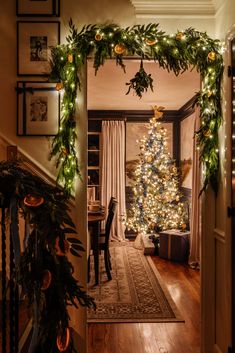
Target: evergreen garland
{"points": [[179, 52], [50, 233]]}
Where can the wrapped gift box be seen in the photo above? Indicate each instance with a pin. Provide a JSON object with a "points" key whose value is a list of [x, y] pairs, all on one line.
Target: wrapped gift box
{"points": [[174, 245]]}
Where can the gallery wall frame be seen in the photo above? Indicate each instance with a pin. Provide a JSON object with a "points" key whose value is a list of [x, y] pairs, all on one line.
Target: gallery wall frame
{"points": [[38, 108], [34, 40], [38, 8]]}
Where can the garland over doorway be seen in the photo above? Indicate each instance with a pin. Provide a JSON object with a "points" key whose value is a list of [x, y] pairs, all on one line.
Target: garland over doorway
{"points": [[178, 52]]}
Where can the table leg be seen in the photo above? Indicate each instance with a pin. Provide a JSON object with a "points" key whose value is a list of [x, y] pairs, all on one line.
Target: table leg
{"points": [[96, 251]]}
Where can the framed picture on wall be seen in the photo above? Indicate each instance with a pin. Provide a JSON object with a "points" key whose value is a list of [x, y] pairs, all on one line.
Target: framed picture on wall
{"points": [[38, 109], [45, 8], [34, 40]]}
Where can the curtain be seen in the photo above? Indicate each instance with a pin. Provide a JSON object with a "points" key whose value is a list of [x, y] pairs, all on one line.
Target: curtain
{"points": [[195, 228], [113, 172]]}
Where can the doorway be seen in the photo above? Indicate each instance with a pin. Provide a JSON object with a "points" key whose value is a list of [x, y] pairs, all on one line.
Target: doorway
{"points": [[107, 101]]}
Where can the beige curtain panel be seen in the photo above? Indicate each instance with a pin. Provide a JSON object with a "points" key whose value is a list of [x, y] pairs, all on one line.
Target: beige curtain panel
{"points": [[113, 172]]}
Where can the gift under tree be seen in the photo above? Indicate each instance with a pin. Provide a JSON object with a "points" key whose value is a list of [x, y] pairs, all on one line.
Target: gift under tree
{"points": [[156, 204]]}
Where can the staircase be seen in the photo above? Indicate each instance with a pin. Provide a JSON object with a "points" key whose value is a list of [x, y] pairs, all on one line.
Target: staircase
{"points": [[15, 322]]}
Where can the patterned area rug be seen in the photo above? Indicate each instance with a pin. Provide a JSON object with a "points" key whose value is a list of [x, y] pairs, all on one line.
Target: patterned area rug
{"points": [[135, 293]]}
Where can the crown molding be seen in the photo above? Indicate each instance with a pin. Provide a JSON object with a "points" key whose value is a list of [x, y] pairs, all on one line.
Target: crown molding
{"points": [[175, 8]]}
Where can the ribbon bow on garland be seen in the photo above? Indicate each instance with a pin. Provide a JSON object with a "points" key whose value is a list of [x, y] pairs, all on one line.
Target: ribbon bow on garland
{"points": [[177, 53]]}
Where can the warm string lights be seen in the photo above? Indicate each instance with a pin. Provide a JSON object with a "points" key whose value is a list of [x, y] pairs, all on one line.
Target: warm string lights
{"points": [[176, 52], [156, 205]]}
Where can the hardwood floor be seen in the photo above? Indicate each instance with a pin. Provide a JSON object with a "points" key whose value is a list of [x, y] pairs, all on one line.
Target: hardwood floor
{"points": [[183, 284]]}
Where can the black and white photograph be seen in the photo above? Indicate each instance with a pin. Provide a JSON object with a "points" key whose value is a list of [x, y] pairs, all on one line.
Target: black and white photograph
{"points": [[38, 48], [34, 42], [38, 109]]}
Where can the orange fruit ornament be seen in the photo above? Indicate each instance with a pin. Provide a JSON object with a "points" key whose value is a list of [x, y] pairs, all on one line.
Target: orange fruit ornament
{"points": [[33, 201], [211, 55], [119, 48], [46, 280], [62, 340], [150, 41]]}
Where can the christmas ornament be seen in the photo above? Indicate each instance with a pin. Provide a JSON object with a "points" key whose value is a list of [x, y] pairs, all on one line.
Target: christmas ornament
{"points": [[63, 340], [46, 280], [65, 151], [179, 36], [59, 86], [150, 41], [149, 159], [158, 113], [33, 201], [207, 133], [119, 48], [70, 58], [211, 56], [209, 93], [183, 226], [98, 37]]}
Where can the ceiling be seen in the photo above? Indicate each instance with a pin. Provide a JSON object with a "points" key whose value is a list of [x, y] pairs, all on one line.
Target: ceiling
{"points": [[169, 8], [107, 90]]}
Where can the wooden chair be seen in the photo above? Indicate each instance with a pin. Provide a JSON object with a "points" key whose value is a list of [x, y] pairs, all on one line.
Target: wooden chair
{"points": [[104, 240], [112, 199]]}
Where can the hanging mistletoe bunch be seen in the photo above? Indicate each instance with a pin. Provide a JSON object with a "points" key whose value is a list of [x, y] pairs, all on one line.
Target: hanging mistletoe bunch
{"points": [[42, 267], [178, 52], [141, 82]]}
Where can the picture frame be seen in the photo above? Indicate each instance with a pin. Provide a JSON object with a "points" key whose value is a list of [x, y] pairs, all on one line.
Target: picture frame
{"points": [[34, 40], [38, 108], [38, 8]]}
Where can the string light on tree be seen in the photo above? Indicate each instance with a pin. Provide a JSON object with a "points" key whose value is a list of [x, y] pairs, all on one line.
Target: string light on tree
{"points": [[156, 204]]}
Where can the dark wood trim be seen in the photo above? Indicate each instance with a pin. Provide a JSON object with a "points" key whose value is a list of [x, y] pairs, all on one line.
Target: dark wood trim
{"points": [[188, 108], [131, 115]]}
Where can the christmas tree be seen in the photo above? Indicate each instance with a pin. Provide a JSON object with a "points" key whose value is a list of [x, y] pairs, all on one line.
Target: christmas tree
{"points": [[156, 205]]}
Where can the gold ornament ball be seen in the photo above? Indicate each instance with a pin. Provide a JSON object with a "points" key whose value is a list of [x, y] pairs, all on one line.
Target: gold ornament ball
{"points": [[119, 49], [211, 55], [149, 159], [179, 36], [184, 226], [59, 86], [150, 41], [98, 37], [70, 58]]}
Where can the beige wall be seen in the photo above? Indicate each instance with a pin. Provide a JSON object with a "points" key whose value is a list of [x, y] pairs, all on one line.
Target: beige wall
{"points": [[225, 19]]}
